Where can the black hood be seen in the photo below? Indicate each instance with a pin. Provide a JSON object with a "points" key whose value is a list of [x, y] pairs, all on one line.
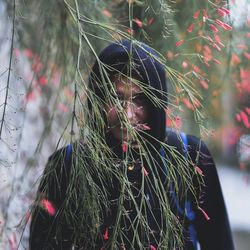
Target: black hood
{"points": [[118, 56]]}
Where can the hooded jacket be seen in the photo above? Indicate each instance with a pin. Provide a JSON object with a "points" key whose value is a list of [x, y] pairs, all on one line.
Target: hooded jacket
{"points": [[209, 228]]}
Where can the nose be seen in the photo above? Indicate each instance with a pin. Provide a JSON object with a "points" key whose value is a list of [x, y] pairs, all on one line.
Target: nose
{"points": [[130, 110]]}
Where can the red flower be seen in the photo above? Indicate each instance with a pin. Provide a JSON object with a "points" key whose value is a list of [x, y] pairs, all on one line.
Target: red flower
{"points": [[138, 22], [47, 205], [223, 11], [124, 147], [190, 28], [196, 14], [43, 80], [244, 119], [199, 171], [247, 55], [106, 13], [145, 172], [225, 26], [216, 61], [179, 43], [213, 28], [106, 236], [216, 47], [204, 213]]}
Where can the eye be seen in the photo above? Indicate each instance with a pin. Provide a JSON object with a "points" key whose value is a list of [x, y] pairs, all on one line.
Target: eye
{"points": [[140, 99]]}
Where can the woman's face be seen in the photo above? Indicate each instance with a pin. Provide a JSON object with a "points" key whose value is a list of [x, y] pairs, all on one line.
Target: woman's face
{"points": [[135, 106]]}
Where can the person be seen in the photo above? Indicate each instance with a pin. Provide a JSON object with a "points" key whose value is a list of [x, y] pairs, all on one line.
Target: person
{"points": [[131, 183]]}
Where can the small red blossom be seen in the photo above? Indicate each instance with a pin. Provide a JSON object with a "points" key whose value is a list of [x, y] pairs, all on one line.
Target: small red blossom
{"points": [[248, 35], [209, 39], [213, 28], [124, 147], [204, 15], [107, 13], [47, 205], [225, 26], [204, 84], [138, 22], [43, 80], [199, 171], [190, 28], [152, 247], [216, 61], [223, 11], [105, 235], [238, 117], [235, 59], [184, 64], [145, 172], [62, 107], [28, 53], [130, 31], [247, 110], [196, 14], [188, 104], [216, 47], [246, 55], [244, 119], [179, 43], [204, 213]]}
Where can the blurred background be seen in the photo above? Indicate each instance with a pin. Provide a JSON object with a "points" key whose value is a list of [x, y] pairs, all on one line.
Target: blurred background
{"points": [[46, 51]]}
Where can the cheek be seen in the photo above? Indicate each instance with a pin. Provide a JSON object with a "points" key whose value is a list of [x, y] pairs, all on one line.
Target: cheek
{"points": [[111, 114], [142, 113]]}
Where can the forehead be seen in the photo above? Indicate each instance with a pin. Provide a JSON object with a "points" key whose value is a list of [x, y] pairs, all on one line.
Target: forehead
{"points": [[125, 84]]}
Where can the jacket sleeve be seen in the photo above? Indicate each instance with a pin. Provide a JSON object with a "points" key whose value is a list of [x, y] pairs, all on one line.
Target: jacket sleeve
{"points": [[213, 229], [48, 230]]}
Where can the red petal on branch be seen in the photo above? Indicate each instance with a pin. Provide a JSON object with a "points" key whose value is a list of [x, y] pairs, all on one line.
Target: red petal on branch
{"points": [[184, 64], [106, 236], [130, 31], [213, 28], [106, 13], [145, 172], [196, 14], [247, 110], [247, 55], [238, 117], [124, 147], [221, 44], [204, 84], [188, 104], [138, 22], [242, 46], [62, 107], [245, 119], [204, 15], [152, 247], [199, 171], [210, 39], [190, 28], [47, 205], [43, 80], [226, 11], [217, 38], [28, 53], [204, 213], [179, 43], [248, 35], [216, 47], [235, 59], [216, 61]]}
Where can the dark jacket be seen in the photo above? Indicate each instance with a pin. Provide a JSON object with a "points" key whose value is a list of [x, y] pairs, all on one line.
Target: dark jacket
{"points": [[50, 230]]}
